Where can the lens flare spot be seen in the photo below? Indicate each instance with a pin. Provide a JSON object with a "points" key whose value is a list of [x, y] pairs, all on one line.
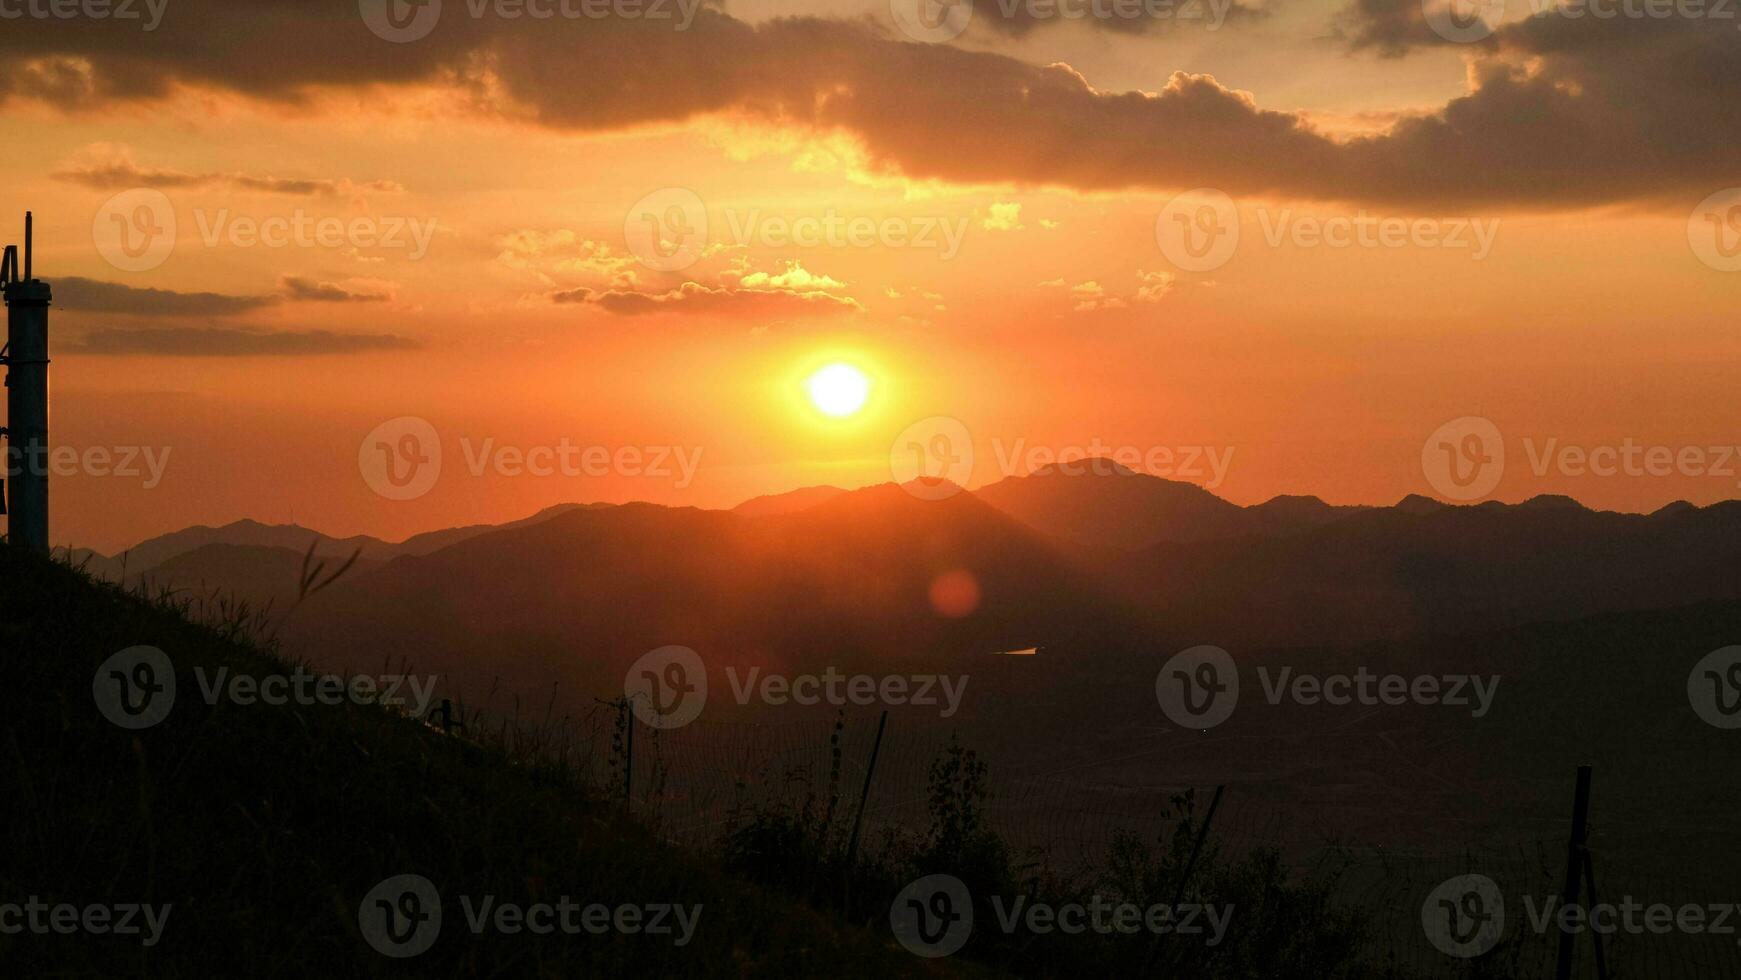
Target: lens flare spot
{"points": [[955, 594]]}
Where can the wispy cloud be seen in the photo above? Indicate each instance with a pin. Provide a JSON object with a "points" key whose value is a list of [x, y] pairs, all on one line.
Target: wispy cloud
{"points": [[311, 290], [107, 167], [693, 298], [97, 296], [216, 342]]}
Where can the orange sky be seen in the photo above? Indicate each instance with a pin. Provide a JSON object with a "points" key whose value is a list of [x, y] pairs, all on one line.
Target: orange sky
{"points": [[1042, 314]]}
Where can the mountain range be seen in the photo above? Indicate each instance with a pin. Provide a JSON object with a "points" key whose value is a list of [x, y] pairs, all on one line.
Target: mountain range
{"points": [[1078, 564], [1111, 506]]}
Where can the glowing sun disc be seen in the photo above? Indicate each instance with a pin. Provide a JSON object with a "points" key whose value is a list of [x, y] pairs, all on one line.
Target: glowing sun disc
{"points": [[838, 390]]}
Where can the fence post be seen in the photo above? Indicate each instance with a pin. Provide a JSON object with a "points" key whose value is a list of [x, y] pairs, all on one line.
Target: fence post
{"points": [[1575, 853], [1185, 873], [858, 818]]}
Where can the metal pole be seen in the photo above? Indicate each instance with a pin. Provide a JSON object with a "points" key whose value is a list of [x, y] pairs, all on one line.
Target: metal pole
{"points": [[1590, 889], [1574, 866], [1185, 874], [857, 818], [864, 794], [27, 304]]}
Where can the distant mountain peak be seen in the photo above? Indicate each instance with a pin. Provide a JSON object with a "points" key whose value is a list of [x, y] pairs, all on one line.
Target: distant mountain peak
{"points": [[1289, 503], [1414, 503], [929, 485], [1552, 501], [931, 500], [1092, 507], [1087, 466], [789, 502]]}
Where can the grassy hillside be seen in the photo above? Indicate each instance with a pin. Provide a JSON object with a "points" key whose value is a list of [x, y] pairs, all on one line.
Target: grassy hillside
{"points": [[264, 827]]}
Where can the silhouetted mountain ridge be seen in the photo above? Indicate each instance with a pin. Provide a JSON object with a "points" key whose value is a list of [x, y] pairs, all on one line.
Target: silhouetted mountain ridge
{"points": [[1389, 572], [1101, 503], [788, 502], [846, 581], [151, 554], [849, 578]]}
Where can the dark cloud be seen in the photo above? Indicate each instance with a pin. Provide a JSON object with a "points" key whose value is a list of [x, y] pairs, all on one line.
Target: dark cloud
{"points": [[310, 290], [1571, 111], [1564, 112], [213, 342], [579, 294], [1390, 27], [1018, 18], [97, 296]]}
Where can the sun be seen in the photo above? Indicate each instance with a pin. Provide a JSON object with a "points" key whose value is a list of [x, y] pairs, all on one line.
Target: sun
{"points": [[838, 390]]}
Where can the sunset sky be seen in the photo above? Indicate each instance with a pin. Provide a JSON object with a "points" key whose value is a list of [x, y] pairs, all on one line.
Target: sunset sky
{"points": [[1543, 191]]}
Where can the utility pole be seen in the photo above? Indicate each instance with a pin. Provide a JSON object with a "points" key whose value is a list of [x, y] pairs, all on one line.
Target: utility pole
{"points": [[26, 360]]}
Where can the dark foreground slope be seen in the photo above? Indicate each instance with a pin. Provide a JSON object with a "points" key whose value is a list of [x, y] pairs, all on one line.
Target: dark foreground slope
{"points": [[264, 827]]}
